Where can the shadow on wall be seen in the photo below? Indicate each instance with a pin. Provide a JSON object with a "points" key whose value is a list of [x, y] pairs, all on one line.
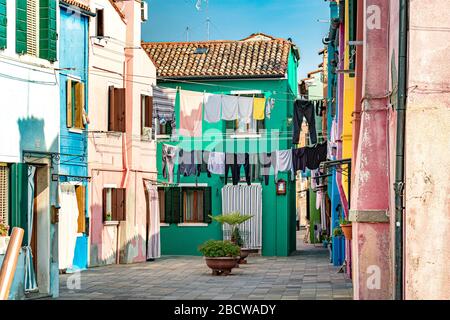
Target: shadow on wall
{"points": [[32, 135], [133, 251], [128, 253]]}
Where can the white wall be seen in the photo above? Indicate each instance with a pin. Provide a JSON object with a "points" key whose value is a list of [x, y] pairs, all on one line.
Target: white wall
{"points": [[29, 89]]}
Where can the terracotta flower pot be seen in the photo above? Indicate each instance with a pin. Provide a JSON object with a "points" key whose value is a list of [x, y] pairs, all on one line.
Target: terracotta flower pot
{"points": [[347, 230], [221, 265], [244, 254]]}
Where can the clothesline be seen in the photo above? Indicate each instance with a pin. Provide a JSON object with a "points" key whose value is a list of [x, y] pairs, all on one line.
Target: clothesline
{"points": [[219, 162]]}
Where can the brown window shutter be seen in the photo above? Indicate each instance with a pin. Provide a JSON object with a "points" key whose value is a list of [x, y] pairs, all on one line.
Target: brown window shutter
{"points": [[69, 118], [82, 103], [111, 109], [119, 108], [104, 192], [114, 208], [81, 201], [121, 205], [78, 106], [148, 111]]}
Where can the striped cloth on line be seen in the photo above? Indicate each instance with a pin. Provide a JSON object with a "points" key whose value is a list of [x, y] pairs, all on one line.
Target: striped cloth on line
{"points": [[164, 103], [247, 200]]}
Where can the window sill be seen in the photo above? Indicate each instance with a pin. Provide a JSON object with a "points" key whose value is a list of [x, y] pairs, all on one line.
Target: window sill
{"points": [[192, 224], [75, 130], [245, 135], [111, 223], [163, 224]]}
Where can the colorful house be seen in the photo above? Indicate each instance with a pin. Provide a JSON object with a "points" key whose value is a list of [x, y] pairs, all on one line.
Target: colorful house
{"points": [[121, 162], [258, 66], [29, 139], [73, 171]]}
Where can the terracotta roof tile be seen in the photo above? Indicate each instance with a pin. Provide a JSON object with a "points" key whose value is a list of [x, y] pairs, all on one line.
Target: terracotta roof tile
{"points": [[77, 3], [256, 56]]}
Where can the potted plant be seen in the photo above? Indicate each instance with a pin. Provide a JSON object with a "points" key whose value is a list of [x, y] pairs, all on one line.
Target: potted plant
{"points": [[220, 256], [4, 239], [234, 219], [346, 228]]}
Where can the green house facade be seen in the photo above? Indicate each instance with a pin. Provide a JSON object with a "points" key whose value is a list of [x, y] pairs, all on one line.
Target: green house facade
{"points": [[259, 66]]}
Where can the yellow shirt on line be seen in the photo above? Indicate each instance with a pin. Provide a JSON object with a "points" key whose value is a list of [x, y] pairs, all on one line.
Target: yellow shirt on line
{"points": [[258, 108]]}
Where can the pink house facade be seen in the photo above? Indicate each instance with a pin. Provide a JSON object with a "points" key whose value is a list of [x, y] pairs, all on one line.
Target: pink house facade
{"points": [[402, 251], [121, 153]]}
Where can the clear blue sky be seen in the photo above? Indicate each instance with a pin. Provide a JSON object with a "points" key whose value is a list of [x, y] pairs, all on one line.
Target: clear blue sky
{"points": [[237, 19]]}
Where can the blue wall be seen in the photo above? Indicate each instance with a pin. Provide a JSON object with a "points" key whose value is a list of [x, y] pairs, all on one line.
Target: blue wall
{"points": [[338, 247], [73, 48]]}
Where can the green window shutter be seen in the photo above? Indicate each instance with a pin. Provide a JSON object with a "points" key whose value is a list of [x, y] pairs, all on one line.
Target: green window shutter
{"points": [[177, 211], [18, 193], [47, 30], [21, 26], [207, 206], [3, 22], [168, 204]]}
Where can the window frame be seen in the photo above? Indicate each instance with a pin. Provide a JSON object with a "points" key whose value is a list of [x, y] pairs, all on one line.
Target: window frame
{"points": [[114, 198]]}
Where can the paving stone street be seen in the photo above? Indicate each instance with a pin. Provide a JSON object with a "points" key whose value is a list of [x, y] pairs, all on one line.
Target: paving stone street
{"points": [[306, 275]]}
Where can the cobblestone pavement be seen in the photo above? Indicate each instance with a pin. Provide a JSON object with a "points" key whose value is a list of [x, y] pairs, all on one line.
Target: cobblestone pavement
{"points": [[306, 275]]}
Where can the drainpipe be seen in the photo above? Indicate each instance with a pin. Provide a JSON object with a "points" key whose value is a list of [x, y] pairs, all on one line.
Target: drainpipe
{"points": [[400, 148]]}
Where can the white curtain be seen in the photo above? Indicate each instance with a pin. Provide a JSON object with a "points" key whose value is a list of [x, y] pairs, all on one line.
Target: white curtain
{"points": [[247, 200], [153, 235], [67, 225], [30, 277]]}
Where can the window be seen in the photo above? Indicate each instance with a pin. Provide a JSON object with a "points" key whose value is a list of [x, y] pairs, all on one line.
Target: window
{"points": [[240, 127], [185, 205], [80, 192], [146, 116], [163, 128], [4, 185], [193, 205], [201, 50], [99, 26], [116, 109], [36, 28], [114, 205], [75, 104]]}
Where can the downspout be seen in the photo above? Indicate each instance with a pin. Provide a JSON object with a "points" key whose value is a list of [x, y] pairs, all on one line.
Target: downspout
{"points": [[400, 147]]}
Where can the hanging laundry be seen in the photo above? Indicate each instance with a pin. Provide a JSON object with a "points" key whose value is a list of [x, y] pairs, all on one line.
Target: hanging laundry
{"points": [[304, 108], [332, 144], [270, 104], [164, 103], [191, 107], [216, 162], [230, 106], [233, 162], [299, 159], [258, 108], [245, 109], [212, 110], [283, 163], [153, 234], [169, 154], [202, 159], [187, 166], [315, 155], [266, 160]]}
